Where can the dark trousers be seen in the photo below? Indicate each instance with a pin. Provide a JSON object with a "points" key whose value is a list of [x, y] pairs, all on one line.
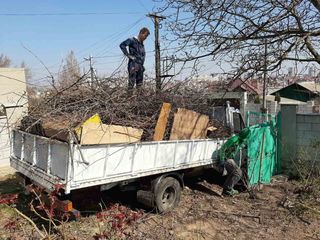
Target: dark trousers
{"points": [[135, 74], [234, 174]]}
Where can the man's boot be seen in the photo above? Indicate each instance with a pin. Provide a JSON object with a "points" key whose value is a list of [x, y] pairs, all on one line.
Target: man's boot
{"points": [[230, 192]]}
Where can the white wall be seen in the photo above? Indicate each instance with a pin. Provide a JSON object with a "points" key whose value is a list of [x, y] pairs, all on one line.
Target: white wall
{"points": [[300, 137], [308, 128], [273, 107], [12, 93], [306, 108]]}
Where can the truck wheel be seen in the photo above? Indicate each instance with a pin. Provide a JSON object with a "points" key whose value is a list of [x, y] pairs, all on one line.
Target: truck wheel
{"points": [[167, 194]]}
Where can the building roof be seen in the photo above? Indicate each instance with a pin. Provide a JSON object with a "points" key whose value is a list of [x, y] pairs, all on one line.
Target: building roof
{"points": [[285, 100], [244, 85], [303, 91], [311, 86]]}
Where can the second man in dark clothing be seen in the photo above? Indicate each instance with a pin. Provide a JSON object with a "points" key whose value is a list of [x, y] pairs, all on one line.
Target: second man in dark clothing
{"points": [[133, 48]]}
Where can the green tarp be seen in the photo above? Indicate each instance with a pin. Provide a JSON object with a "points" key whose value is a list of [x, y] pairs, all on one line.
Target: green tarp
{"points": [[263, 161]]}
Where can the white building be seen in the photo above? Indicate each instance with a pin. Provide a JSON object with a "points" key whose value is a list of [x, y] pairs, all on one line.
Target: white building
{"points": [[214, 77], [13, 97]]}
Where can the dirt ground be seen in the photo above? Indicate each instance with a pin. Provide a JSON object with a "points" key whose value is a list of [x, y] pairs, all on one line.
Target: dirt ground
{"points": [[202, 214]]}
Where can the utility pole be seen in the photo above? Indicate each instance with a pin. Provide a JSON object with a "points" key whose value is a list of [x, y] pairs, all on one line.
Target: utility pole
{"points": [[264, 106], [156, 20], [91, 70]]}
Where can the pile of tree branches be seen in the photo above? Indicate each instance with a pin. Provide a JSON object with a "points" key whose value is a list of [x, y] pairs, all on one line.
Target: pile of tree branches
{"points": [[66, 108]]}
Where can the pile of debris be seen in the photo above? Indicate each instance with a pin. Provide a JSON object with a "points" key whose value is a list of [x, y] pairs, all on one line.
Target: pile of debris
{"points": [[112, 115]]}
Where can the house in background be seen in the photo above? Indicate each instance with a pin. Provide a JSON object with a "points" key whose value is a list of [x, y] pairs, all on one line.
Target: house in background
{"points": [[306, 95], [300, 91], [13, 98], [251, 87]]}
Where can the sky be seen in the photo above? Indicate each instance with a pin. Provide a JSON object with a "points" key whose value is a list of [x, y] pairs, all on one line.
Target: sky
{"points": [[43, 32], [46, 31]]}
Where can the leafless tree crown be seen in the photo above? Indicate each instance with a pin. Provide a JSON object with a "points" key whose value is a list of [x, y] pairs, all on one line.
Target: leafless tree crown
{"points": [[237, 30], [5, 61], [70, 70]]}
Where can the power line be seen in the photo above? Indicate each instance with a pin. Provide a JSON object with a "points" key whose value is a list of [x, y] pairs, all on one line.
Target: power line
{"points": [[109, 56], [103, 51], [119, 55], [67, 14], [139, 1], [16, 79], [109, 37]]}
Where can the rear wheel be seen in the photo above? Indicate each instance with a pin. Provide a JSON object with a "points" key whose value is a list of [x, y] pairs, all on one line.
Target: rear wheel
{"points": [[167, 194]]}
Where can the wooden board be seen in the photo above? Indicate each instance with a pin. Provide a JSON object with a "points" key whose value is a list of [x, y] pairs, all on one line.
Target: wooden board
{"points": [[93, 131], [162, 122], [96, 133], [200, 129], [188, 124]]}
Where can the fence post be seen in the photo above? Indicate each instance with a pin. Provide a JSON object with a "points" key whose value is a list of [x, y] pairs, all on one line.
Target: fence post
{"points": [[243, 104], [261, 157], [288, 139]]}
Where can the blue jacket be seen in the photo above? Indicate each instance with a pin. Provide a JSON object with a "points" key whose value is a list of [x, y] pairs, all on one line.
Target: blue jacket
{"points": [[136, 49]]}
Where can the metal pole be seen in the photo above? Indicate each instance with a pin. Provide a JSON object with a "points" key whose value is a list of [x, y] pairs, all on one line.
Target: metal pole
{"points": [[156, 19], [261, 159], [264, 106], [91, 70], [157, 55]]}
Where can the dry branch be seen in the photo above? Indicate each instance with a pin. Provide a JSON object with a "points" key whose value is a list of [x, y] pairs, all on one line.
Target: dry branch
{"points": [[66, 109], [30, 221]]}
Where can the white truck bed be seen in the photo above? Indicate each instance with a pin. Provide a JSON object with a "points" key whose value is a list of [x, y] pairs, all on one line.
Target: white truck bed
{"points": [[49, 162]]}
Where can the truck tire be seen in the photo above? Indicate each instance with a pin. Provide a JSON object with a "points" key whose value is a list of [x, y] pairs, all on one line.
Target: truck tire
{"points": [[167, 194]]}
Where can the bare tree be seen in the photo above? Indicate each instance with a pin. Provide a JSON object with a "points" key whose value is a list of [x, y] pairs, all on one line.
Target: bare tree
{"points": [[5, 61], [27, 70], [237, 31], [70, 70]]}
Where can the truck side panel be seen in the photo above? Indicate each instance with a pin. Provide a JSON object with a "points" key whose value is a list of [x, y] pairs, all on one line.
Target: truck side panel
{"points": [[109, 163], [46, 155], [49, 162]]}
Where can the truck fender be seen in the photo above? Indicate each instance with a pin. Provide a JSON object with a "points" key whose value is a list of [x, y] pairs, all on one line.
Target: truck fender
{"points": [[176, 175]]}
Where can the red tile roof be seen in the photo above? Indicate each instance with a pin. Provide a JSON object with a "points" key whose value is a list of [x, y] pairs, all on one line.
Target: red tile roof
{"points": [[244, 85]]}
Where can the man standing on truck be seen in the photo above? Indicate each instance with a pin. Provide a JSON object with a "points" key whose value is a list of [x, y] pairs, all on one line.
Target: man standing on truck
{"points": [[227, 162], [136, 55]]}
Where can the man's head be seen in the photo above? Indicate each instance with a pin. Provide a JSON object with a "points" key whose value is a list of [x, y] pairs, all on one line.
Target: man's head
{"points": [[143, 34]]}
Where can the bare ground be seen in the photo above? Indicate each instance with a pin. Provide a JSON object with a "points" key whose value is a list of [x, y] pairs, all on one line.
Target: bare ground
{"points": [[201, 214], [205, 215]]}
